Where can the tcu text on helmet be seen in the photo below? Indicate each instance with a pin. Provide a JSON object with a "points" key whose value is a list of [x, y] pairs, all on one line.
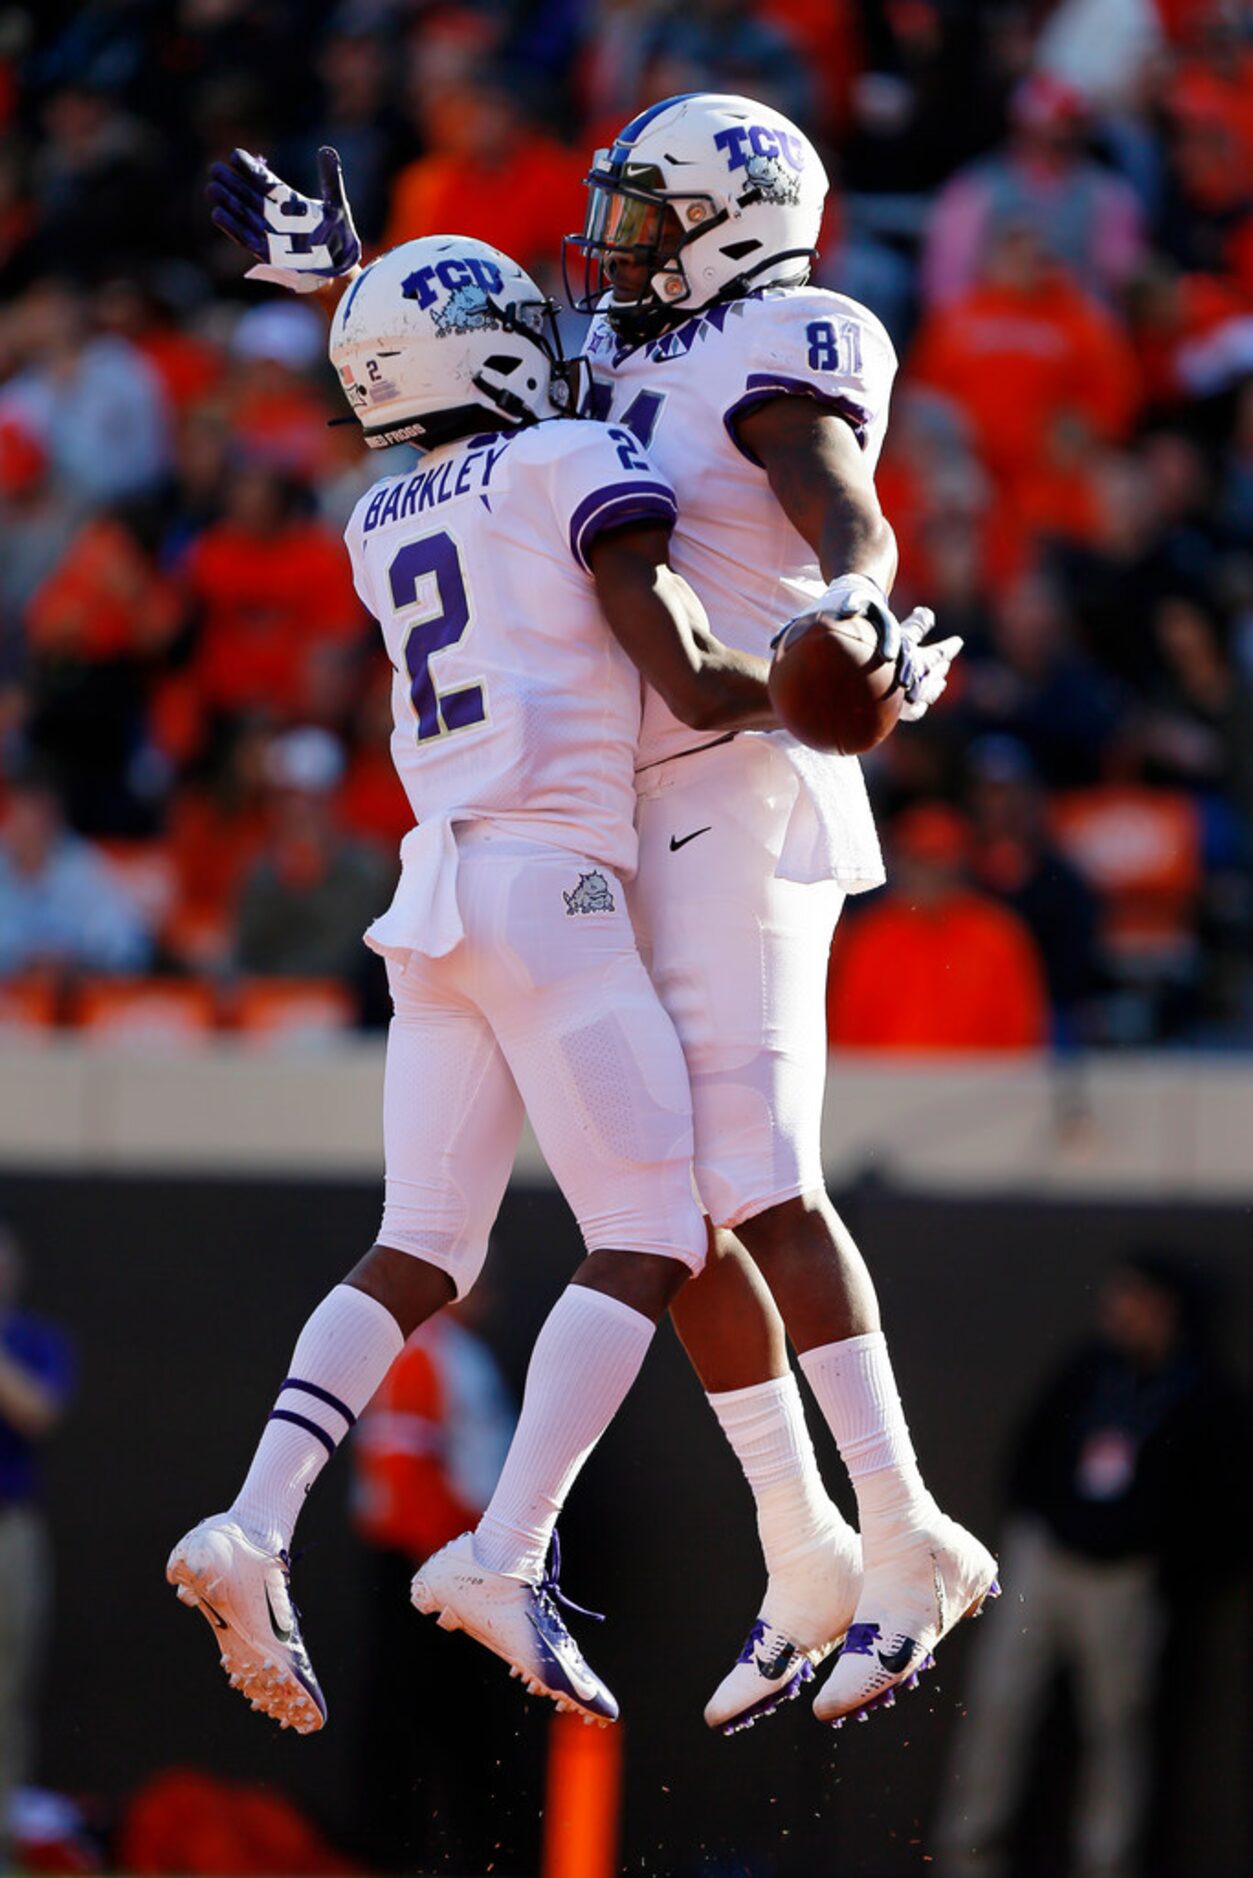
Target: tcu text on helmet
{"points": [[761, 142], [452, 274]]}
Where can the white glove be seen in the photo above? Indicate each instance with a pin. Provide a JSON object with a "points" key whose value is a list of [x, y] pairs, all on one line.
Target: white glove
{"points": [[300, 242], [858, 593], [923, 669]]}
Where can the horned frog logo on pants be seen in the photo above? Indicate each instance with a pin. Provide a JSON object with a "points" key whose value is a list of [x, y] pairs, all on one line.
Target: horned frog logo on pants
{"points": [[592, 895]]}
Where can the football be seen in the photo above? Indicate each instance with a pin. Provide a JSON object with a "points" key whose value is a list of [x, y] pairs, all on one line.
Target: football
{"points": [[831, 686]]}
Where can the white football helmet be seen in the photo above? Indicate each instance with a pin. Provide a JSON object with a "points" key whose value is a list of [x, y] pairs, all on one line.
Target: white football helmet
{"points": [[713, 195], [443, 337]]}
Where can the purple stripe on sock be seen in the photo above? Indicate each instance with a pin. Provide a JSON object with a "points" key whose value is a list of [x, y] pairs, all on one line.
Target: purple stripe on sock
{"points": [[323, 1395], [302, 1421]]}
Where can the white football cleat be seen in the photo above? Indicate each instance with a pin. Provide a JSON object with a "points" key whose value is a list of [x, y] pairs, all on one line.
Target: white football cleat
{"points": [[913, 1595], [519, 1621], [806, 1611], [244, 1595]]}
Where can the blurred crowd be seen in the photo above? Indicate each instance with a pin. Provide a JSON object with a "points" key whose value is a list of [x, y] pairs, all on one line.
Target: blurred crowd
{"points": [[1050, 205]]}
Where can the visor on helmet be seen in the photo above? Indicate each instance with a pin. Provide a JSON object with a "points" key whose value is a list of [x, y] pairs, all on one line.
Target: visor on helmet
{"points": [[629, 213], [622, 214]]}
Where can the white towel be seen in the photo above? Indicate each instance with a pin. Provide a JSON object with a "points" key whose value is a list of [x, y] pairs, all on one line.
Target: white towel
{"points": [[424, 915], [831, 832]]}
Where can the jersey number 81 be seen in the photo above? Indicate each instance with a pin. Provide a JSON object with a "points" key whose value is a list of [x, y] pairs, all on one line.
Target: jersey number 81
{"points": [[832, 350]]}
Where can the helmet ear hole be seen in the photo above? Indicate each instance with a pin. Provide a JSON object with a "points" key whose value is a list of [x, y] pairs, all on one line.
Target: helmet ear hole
{"points": [[503, 363], [736, 250]]}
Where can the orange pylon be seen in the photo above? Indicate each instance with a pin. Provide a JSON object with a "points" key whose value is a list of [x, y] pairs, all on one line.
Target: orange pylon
{"points": [[584, 1795]]}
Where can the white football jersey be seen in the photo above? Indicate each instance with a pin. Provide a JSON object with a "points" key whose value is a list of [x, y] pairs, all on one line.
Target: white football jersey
{"points": [[512, 700], [681, 395]]}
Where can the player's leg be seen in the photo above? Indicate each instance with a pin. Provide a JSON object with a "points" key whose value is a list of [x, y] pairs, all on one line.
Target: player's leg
{"points": [[603, 1079], [706, 923], [451, 1120], [733, 1334], [922, 1572]]}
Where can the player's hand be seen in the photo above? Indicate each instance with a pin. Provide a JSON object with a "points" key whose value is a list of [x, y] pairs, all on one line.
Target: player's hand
{"points": [[924, 669], [849, 595], [300, 242], [857, 593]]}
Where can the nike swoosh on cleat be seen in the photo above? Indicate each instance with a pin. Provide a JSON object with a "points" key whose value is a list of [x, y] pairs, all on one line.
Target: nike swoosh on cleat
{"points": [[283, 1634], [772, 1667], [676, 845], [895, 1661]]}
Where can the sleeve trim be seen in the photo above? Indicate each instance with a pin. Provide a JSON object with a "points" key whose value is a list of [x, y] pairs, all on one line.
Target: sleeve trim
{"points": [[761, 387], [612, 506]]}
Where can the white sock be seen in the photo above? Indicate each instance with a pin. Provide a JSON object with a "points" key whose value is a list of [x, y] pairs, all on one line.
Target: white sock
{"points": [[585, 1359], [856, 1392], [765, 1425], [341, 1357]]}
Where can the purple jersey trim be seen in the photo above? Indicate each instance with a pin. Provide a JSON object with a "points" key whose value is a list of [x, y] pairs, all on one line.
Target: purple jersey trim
{"points": [[762, 386], [611, 507]]}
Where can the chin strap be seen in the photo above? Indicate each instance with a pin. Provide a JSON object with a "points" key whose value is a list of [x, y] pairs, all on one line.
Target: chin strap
{"points": [[507, 402], [654, 327]]}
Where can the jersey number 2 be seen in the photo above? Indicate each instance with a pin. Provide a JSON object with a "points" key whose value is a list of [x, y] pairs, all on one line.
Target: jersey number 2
{"points": [[640, 416], [427, 582]]}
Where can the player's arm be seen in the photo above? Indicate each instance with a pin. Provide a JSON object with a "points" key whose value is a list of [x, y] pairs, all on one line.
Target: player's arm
{"points": [[661, 625], [825, 486]]}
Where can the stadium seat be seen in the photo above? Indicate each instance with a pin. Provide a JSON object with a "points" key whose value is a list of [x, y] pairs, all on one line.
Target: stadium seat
{"points": [[28, 1006], [146, 1013], [1140, 849], [292, 1013]]}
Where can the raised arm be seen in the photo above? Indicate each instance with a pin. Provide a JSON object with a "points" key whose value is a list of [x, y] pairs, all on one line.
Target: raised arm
{"points": [[661, 625]]}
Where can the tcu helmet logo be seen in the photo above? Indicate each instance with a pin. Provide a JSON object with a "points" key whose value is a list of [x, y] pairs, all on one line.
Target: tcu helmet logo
{"points": [[772, 160], [592, 895], [467, 281]]}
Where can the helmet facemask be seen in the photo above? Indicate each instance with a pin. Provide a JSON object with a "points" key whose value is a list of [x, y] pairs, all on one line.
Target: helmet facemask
{"points": [[631, 215]]}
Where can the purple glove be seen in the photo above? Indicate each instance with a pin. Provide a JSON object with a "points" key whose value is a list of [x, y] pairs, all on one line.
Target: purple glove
{"points": [[300, 242]]}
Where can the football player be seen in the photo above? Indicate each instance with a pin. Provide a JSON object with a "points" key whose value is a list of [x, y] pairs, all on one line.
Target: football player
{"points": [[519, 576], [765, 400]]}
